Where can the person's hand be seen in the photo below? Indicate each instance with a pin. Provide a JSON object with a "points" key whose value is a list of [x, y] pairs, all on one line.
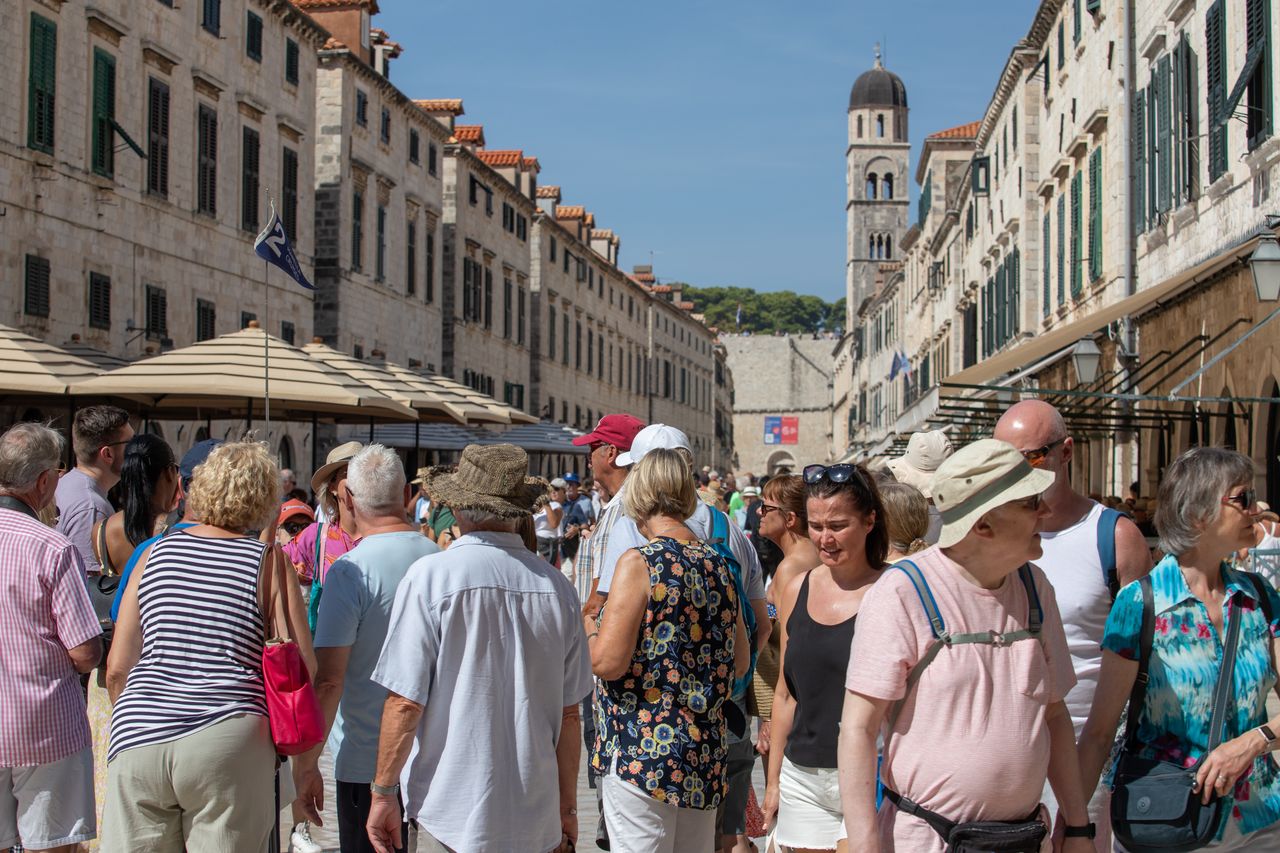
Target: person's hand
{"points": [[763, 737], [384, 824], [770, 806], [310, 787], [568, 830], [1221, 768]]}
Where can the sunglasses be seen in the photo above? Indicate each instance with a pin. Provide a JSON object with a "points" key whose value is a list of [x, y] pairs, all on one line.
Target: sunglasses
{"points": [[765, 509], [841, 473], [1245, 500], [1036, 457], [1032, 503]]}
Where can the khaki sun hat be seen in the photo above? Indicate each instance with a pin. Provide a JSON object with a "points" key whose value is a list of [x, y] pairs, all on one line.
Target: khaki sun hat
{"points": [[493, 478], [978, 478], [925, 452], [339, 456]]}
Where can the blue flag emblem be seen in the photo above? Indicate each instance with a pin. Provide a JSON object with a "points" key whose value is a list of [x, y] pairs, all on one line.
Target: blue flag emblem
{"points": [[273, 247]]}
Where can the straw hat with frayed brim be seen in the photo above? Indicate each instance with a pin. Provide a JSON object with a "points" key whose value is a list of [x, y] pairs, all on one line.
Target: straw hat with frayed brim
{"points": [[978, 478], [339, 456], [493, 478]]}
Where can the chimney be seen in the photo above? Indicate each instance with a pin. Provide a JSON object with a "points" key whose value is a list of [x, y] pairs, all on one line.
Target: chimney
{"points": [[470, 135], [530, 167], [443, 110], [601, 241], [384, 50], [548, 199], [348, 21]]}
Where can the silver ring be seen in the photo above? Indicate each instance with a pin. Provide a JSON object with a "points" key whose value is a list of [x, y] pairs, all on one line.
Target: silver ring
{"points": [[1222, 777]]}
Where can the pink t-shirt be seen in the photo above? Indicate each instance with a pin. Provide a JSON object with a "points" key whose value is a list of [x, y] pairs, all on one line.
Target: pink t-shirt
{"points": [[979, 748]]}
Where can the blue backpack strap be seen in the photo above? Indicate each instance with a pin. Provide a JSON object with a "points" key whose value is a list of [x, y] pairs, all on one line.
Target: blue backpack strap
{"points": [[720, 544], [1107, 549], [913, 573]]}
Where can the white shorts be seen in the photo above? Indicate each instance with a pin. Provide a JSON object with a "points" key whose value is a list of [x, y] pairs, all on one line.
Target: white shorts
{"points": [[809, 810], [638, 823], [48, 805]]}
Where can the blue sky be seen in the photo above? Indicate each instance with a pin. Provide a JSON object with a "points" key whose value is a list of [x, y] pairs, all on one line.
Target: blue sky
{"points": [[708, 133]]}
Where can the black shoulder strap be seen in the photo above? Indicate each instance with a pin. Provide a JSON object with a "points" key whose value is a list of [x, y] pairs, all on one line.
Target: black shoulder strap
{"points": [[1224, 690], [17, 505], [1138, 695], [1264, 601], [937, 822], [1035, 611]]}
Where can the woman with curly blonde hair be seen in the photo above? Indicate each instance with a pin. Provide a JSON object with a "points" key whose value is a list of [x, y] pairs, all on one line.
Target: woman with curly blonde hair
{"points": [[191, 761]]}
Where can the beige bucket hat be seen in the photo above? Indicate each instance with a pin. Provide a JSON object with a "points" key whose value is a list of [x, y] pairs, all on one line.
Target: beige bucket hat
{"points": [[925, 452], [978, 478], [492, 477], [339, 456]]}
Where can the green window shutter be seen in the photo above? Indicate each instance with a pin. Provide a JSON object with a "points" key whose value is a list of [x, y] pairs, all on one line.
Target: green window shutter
{"points": [[289, 192], [1215, 58], [1139, 223], [1062, 250], [1153, 152], [1177, 134], [249, 180], [291, 61], [1164, 142], [1002, 308], [1047, 272], [206, 160], [157, 137], [1095, 214], [42, 83], [1076, 232], [1260, 101], [1015, 291], [1062, 43], [253, 36], [1075, 21], [104, 112], [36, 296]]}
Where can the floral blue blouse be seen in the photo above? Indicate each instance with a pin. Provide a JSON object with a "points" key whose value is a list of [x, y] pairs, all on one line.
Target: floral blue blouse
{"points": [[1186, 655], [662, 718]]}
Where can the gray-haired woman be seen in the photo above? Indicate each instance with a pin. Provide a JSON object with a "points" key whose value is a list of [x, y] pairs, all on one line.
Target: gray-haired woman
{"points": [[1206, 511]]}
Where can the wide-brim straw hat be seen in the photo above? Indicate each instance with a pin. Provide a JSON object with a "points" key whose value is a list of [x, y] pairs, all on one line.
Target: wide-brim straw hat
{"points": [[493, 478], [339, 456]]}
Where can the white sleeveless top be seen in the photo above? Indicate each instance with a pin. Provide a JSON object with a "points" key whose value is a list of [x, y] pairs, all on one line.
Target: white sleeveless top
{"points": [[1073, 566]]}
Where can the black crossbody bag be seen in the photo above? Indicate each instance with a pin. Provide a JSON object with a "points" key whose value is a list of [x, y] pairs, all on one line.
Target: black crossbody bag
{"points": [[1153, 806]]}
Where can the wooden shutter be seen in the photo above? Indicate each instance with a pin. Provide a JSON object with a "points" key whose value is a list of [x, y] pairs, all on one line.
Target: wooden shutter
{"points": [[157, 137], [99, 301], [1260, 103], [207, 155], [1077, 221], [1164, 142], [1095, 214], [249, 179], [104, 112], [1139, 142], [1047, 271], [289, 192], [1075, 20], [1015, 291], [1062, 249], [1215, 60], [291, 61], [42, 83], [36, 297], [411, 258], [253, 36]]}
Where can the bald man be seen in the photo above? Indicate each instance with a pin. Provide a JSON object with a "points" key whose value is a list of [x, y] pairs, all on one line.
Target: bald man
{"points": [[1076, 537]]}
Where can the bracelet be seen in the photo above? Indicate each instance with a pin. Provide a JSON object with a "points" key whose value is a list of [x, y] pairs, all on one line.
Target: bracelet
{"points": [[1089, 830], [384, 790]]}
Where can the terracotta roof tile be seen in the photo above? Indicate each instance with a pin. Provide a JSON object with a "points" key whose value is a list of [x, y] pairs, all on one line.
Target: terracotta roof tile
{"points": [[332, 43], [590, 220], [601, 234], [531, 164], [573, 211], [336, 4], [688, 306], [657, 288], [441, 105], [469, 133], [964, 131], [501, 158], [549, 191]]}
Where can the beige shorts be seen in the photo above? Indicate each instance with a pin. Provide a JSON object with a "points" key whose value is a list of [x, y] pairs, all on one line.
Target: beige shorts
{"points": [[48, 805]]}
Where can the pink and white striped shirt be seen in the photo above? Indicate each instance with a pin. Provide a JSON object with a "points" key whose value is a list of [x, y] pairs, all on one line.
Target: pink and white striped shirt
{"points": [[44, 611]]}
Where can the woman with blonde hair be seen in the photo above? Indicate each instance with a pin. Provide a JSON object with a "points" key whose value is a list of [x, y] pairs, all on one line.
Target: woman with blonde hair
{"points": [[906, 515], [670, 643], [191, 762]]}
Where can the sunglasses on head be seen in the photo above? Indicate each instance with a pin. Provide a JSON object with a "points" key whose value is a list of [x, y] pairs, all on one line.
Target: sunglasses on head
{"points": [[841, 473], [1245, 500]]}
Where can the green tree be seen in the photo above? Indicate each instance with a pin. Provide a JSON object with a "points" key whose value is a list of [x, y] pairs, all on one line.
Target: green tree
{"points": [[765, 313]]}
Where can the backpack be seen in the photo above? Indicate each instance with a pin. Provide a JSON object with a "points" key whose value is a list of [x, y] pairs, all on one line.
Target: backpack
{"points": [[1107, 548], [944, 638], [719, 543]]}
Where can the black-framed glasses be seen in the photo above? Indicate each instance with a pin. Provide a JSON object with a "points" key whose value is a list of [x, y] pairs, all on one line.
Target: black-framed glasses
{"points": [[1035, 458], [1244, 500], [840, 473], [765, 508]]}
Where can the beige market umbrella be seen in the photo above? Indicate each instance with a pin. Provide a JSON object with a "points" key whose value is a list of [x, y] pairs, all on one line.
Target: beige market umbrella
{"points": [[32, 367], [223, 377], [476, 408], [404, 387], [498, 413]]}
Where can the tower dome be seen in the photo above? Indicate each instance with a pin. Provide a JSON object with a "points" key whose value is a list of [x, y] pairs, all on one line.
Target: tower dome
{"points": [[878, 87]]}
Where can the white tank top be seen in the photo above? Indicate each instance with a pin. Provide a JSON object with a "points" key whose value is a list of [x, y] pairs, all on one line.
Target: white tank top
{"points": [[1268, 564], [1073, 566]]}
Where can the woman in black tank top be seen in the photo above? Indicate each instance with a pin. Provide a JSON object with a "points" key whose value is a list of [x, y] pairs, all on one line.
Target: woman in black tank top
{"points": [[818, 613]]}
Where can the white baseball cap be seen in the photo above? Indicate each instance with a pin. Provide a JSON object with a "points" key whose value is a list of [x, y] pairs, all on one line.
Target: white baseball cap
{"points": [[925, 452], [653, 437]]}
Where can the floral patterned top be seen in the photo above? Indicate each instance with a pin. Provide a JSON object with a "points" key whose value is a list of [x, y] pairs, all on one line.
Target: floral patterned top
{"points": [[301, 551], [662, 718], [1186, 655]]}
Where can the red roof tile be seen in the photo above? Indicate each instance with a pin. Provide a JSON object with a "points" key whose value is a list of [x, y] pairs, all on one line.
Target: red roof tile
{"points": [[549, 191], [501, 158], [469, 133], [441, 105], [332, 43], [657, 288], [688, 306], [531, 164], [601, 234], [337, 4], [964, 131], [573, 211], [590, 220]]}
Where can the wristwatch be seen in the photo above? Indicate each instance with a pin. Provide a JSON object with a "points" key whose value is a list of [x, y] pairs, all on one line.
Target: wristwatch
{"points": [[384, 790], [1089, 830], [1267, 735]]}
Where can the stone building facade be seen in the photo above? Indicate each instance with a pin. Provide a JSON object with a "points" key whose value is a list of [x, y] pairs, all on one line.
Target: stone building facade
{"points": [[130, 252], [681, 357]]}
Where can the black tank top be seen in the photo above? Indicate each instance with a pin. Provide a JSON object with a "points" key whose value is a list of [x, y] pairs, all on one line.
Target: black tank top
{"points": [[815, 665]]}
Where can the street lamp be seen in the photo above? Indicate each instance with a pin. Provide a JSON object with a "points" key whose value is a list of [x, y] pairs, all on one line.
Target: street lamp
{"points": [[1265, 266], [1087, 358]]}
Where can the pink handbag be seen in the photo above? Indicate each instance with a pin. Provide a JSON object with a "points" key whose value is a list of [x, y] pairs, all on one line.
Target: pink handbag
{"points": [[297, 722]]}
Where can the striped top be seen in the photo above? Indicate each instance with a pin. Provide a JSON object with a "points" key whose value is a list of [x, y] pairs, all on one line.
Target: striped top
{"points": [[202, 639]]}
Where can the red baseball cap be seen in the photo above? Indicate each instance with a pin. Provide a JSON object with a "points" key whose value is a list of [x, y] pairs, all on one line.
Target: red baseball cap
{"points": [[292, 508], [618, 430]]}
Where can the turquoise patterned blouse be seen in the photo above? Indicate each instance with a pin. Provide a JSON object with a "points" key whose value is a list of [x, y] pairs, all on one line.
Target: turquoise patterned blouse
{"points": [[662, 718], [1186, 654]]}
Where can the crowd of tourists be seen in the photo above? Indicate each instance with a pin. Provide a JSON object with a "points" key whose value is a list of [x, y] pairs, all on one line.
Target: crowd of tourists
{"points": [[933, 657]]}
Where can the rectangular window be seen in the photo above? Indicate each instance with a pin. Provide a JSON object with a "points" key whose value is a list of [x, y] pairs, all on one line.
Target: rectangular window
{"points": [[433, 154], [411, 258], [247, 317], [1215, 60], [1186, 123], [577, 346], [507, 299], [521, 308], [287, 332], [289, 191], [415, 143], [249, 180], [1062, 44], [206, 320], [362, 108], [291, 61], [36, 296], [522, 227], [551, 335], [385, 127], [253, 36], [1047, 296], [591, 351], [488, 298], [157, 312], [42, 83], [1095, 214], [211, 18], [1258, 68], [207, 160], [99, 301], [564, 339], [380, 254], [357, 230], [157, 137], [1160, 86], [1075, 21], [430, 289], [1139, 142], [104, 113], [1077, 213], [1062, 250]]}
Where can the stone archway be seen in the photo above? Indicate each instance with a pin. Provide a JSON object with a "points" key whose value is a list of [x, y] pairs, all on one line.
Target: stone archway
{"points": [[781, 462]]}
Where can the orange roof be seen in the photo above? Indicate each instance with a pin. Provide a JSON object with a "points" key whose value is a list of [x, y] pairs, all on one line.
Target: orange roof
{"points": [[332, 43], [531, 164], [591, 220], [336, 4], [602, 234], [964, 131], [441, 105], [657, 288], [501, 158], [469, 133], [574, 211], [549, 191], [688, 306]]}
